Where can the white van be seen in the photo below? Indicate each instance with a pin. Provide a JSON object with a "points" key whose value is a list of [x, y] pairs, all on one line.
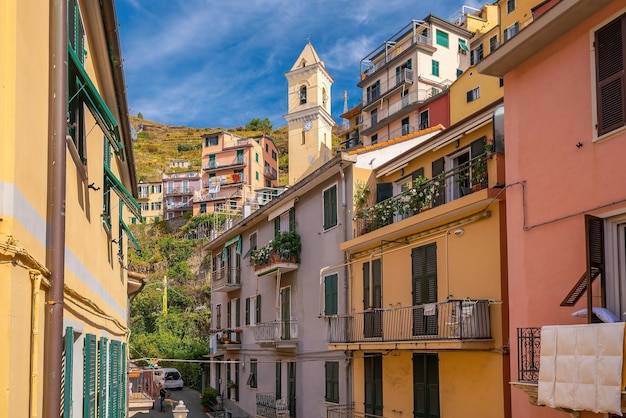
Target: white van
{"points": [[169, 378]]}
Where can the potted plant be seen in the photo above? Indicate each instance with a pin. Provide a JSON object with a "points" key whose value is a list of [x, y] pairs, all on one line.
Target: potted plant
{"points": [[288, 246], [231, 384], [261, 257], [361, 198], [208, 400], [479, 173]]}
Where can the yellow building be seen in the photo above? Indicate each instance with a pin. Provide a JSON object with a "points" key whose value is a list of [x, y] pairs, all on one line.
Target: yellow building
{"points": [[66, 168], [309, 114], [150, 199], [426, 320]]}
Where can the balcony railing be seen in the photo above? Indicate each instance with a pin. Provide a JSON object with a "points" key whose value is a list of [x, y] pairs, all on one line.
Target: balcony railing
{"points": [[178, 191], [270, 173], [416, 96], [445, 187], [226, 279], [179, 205], [224, 181], [346, 411], [218, 165], [403, 77], [268, 406], [351, 141], [276, 331], [528, 351], [451, 320]]}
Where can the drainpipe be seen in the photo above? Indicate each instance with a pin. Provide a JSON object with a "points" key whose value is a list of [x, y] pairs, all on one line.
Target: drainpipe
{"points": [[55, 254], [34, 351]]}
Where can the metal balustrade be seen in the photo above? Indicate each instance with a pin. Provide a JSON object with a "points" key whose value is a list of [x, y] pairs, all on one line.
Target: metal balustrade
{"points": [[269, 407], [528, 352], [465, 319], [272, 332], [346, 411]]}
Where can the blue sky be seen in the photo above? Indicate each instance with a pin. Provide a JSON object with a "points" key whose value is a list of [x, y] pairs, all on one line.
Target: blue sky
{"points": [[221, 63]]}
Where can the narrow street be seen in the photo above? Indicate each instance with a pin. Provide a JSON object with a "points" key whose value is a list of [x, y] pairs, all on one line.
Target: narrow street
{"points": [[190, 397]]}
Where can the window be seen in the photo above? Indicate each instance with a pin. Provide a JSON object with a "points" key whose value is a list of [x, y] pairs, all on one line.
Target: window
{"points": [[511, 31], [442, 38], [156, 188], [403, 72], [256, 157], [374, 117], [476, 55], [202, 207], [302, 95], [274, 156], [459, 72], [473, 94], [332, 381], [435, 68], [463, 49], [240, 159], [155, 206], [372, 298], [256, 175], [253, 310], [373, 384], [303, 140], [253, 373], [279, 386], [330, 295], [267, 148], [374, 139], [286, 222], [424, 122], [211, 141], [426, 385], [493, 43], [218, 316], [330, 207], [144, 206], [424, 278], [405, 126], [610, 79], [434, 91], [373, 91], [510, 6], [133, 220]]}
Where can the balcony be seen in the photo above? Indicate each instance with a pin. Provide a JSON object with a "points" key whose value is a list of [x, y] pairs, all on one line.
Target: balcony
{"points": [[352, 141], [382, 116], [592, 353], [452, 320], [407, 37], [228, 339], [239, 161], [346, 411], [279, 256], [178, 191], [270, 173], [226, 279], [268, 406], [387, 87], [179, 205], [282, 334], [450, 185]]}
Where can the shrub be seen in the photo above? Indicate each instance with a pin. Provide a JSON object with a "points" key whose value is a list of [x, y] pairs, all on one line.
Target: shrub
{"points": [[209, 397]]}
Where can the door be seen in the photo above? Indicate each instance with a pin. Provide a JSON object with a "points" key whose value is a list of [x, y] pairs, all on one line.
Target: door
{"points": [[239, 156], [285, 313], [291, 387], [372, 300], [425, 386], [461, 179], [373, 384], [424, 272]]}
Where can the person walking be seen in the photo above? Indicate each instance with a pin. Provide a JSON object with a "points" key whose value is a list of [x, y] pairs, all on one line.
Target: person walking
{"points": [[162, 393]]}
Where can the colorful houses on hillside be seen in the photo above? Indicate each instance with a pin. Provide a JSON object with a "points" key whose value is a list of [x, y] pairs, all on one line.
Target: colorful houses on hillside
{"points": [[67, 182]]}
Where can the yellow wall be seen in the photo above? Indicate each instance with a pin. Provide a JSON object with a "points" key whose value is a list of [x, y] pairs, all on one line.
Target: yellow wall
{"points": [[490, 91]]}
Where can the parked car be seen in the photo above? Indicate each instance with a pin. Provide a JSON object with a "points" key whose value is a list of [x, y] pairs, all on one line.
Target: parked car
{"points": [[169, 378]]}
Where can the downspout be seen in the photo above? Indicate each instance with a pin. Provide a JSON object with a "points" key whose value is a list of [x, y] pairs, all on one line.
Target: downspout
{"points": [[34, 347], [347, 222], [55, 254]]}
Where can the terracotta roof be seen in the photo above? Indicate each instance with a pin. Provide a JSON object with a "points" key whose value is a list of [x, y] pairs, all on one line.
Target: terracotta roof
{"points": [[397, 139]]}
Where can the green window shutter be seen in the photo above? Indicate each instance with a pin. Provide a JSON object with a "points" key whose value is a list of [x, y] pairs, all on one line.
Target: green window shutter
{"points": [[330, 295], [89, 376], [124, 380], [435, 68], [102, 373], [68, 370], [276, 226], [478, 147], [279, 393], [383, 191], [408, 64], [330, 207], [332, 381], [438, 167], [292, 220], [442, 38], [257, 314], [114, 380], [229, 312], [366, 285], [247, 311], [238, 313]]}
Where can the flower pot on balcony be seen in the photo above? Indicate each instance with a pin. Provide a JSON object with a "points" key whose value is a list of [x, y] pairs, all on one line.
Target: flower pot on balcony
{"points": [[477, 187]]}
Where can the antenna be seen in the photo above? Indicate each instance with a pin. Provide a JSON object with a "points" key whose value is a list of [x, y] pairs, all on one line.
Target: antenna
{"points": [[346, 122]]}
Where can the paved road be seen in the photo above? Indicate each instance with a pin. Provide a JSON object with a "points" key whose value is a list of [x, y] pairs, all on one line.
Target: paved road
{"points": [[190, 397]]}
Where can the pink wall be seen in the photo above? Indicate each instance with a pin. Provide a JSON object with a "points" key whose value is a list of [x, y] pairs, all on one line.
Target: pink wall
{"points": [[438, 110], [548, 110]]}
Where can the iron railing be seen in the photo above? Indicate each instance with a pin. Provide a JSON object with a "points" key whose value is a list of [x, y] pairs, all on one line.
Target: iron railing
{"points": [[178, 190], [413, 97], [346, 411], [226, 277], [528, 354], [464, 319], [216, 165], [268, 406], [385, 86], [272, 332], [270, 172], [445, 187]]}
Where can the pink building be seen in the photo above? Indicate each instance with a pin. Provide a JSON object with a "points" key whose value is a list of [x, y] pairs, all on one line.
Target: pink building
{"points": [[565, 137], [178, 191]]}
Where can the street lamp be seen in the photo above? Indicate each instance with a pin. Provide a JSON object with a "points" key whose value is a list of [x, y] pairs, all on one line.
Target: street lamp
{"points": [[181, 410]]}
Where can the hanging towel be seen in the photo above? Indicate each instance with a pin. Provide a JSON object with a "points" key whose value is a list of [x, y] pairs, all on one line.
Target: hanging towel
{"points": [[430, 309], [581, 367]]}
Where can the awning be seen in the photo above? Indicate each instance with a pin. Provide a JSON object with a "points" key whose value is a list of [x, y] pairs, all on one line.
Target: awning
{"points": [[279, 210], [230, 242], [130, 235], [122, 192], [97, 106], [463, 45]]}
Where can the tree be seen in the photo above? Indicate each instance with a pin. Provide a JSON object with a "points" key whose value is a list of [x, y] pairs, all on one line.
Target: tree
{"points": [[257, 124], [139, 115]]}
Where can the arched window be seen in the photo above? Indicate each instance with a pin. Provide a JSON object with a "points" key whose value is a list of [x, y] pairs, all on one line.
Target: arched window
{"points": [[303, 95], [324, 97]]}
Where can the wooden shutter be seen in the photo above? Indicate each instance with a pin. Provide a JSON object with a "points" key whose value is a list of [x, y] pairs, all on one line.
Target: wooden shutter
{"points": [[424, 274], [279, 393], [438, 168], [610, 47], [291, 387], [426, 386], [89, 376], [366, 285], [374, 384], [276, 226], [238, 313], [229, 312], [417, 173], [330, 295], [68, 370], [257, 306], [102, 373], [478, 147], [292, 220], [383, 191], [247, 311], [113, 379]]}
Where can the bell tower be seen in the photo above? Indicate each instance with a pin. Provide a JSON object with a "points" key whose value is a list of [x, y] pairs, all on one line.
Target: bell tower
{"points": [[309, 115]]}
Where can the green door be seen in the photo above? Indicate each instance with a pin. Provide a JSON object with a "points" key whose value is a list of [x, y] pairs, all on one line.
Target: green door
{"points": [[285, 313]]}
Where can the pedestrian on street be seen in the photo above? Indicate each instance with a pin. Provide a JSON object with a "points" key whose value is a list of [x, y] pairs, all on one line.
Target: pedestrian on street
{"points": [[162, 393]]}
